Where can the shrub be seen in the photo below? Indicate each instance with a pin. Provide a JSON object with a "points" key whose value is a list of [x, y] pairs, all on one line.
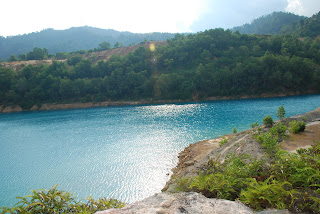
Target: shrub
{"points": [[55, 201], [269, 142], [268, 193], [268, 121], [279, 129], [223, 141], [296, 127], [234, 131], [254, 125], [289, 181]]}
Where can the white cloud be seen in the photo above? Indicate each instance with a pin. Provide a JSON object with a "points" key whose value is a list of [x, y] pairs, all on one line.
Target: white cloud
{"points": [[126, 15], [303, 7], [295, 6]]}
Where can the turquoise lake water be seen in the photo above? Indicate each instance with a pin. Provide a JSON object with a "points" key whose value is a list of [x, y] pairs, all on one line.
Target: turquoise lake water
{"points": [[119, 152]]}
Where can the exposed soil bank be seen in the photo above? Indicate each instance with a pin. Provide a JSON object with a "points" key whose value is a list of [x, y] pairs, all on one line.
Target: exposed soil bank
{"points": [[59, 106]]}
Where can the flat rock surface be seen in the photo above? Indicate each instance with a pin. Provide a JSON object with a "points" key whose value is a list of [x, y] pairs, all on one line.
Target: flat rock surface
{"points": [[184, 202]]}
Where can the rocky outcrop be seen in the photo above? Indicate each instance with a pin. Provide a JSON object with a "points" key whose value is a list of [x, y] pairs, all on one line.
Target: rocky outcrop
{"points": [[9, 109], [194, 158], [184, 202], [53, 106]]}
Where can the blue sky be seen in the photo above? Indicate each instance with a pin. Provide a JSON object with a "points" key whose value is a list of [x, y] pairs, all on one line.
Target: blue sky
{"points": [[141, 16]]}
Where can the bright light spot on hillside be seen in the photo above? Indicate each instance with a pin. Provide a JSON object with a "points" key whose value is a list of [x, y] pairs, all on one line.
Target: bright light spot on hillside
{"points": [[152, 47]]}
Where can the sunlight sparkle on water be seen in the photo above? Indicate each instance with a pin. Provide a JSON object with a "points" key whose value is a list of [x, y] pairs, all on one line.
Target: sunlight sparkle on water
{"points": [[119, 152]]}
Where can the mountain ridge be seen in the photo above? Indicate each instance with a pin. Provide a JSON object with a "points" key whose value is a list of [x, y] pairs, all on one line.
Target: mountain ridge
{"points": [[73, 39], [269, 24]]}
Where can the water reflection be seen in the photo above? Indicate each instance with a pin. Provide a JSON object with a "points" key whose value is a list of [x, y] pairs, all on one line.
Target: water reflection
{"points": [[120, 152]]}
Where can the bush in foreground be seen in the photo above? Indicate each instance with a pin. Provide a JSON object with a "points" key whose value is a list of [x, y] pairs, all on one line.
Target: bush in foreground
{"points": [[55, 201]]}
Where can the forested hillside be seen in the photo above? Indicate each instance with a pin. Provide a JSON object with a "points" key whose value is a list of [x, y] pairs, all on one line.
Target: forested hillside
{"points": [[270, 24], [190, 67], [73, 39], [307, 27]]}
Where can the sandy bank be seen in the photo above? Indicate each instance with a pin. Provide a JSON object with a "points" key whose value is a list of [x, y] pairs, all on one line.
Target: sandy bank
{"points": [[78, 105]]}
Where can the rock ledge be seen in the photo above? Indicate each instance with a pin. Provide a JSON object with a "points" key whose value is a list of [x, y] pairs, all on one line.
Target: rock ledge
{"points": [[184, 202]]}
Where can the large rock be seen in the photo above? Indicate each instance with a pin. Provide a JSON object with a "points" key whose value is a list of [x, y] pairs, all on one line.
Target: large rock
{"points": [[9, 109], [184, 202]]}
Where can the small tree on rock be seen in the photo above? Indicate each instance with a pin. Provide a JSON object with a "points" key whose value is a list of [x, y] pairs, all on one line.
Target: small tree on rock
{"points": [[235, 131], [281, 112], [268, 121]]}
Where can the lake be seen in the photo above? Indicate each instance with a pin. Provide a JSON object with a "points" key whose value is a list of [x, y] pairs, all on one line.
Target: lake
{"points": [[121, 152]]}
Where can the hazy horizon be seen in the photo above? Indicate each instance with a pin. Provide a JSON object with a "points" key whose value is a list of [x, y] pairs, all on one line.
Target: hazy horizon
{"points": [[141, 16]]}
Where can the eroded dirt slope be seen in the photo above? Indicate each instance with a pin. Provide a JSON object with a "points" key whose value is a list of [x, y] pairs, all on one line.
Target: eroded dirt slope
{"points": [[194, 158]]}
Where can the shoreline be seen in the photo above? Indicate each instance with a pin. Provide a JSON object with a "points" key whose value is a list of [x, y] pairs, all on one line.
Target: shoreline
{"points": [[78, 105]]}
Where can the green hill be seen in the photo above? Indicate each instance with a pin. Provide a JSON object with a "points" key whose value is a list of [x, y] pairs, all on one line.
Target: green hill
{"points": [[73, 39], [309, 27], [188, 67], [269, 24]]}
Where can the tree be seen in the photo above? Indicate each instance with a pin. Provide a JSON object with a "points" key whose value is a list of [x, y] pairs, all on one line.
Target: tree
{"points": [[268, 121], [22, 57], [281, 112], [74, 60], [37, 54], [235, 131], [118, 45], [104, 46], [12, 58]]}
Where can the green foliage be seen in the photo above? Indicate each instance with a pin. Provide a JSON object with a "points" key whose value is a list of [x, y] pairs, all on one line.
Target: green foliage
{"points": [[234, 131], [270, 140], [82, 38], [12, 58], [37, 54], [289, 181], [268, 121], [268, 194], [104, 46], [223, 141], [226, 180], [196, 66], [74, 60], [183, 184], [55, 201], [254, 125], [296, 127], [278, 130], [309, 27], [281, 112], [269, 24]]}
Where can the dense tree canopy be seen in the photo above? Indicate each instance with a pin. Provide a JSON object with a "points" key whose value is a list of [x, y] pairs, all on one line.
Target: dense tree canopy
{"points": [[196, 66], [270, 24]]}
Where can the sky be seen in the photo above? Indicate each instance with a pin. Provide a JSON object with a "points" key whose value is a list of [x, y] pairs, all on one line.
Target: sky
{"points": [[141, 16]]}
